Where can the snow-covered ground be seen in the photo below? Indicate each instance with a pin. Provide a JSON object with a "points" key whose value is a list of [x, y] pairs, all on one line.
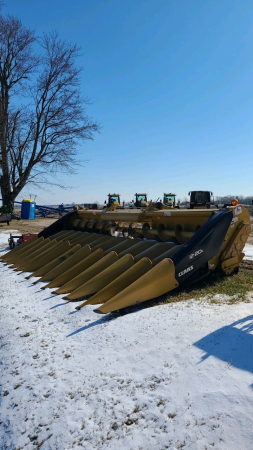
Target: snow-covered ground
{"points": [[248, 250], [175, 376]]}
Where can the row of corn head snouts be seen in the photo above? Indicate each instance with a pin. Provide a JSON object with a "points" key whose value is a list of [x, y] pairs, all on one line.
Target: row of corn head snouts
{"points": [[116, 272]]}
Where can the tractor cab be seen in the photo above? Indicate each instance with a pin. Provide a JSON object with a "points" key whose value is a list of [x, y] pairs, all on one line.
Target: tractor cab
{"points": [[169, 200], [200, 199], [141, 200], [113, 201]]}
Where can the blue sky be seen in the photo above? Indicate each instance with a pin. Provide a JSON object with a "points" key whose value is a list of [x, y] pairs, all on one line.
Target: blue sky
{"points": [[170, 81]]}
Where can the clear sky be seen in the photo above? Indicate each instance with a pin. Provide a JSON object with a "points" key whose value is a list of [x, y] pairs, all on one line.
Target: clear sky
{"points": [[170, 81]]}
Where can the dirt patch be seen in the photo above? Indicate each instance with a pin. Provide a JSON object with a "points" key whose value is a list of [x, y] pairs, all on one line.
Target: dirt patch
{"points": [[29, 226], [246, 265]]}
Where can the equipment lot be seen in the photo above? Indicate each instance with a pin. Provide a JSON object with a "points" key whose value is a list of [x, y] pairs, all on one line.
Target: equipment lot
{"points": [[176, 376]]}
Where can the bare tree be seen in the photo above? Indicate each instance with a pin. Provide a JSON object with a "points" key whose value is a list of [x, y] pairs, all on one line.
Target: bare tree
{"points": [[41, 135]]}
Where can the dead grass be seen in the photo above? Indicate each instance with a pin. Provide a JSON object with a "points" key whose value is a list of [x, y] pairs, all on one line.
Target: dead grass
{"points": [[216, 288]]}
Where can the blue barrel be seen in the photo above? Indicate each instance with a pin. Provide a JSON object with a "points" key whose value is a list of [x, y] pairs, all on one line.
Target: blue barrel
{"points": [[28, 209]]}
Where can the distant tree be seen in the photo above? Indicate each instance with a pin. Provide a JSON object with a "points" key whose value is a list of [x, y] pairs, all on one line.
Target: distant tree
{"points": [[185, 200], [226, 199], [40, 135]]}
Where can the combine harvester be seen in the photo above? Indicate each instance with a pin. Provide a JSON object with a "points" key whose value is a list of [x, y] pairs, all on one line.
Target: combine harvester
{"points": [[201, 199], [82, 256]]}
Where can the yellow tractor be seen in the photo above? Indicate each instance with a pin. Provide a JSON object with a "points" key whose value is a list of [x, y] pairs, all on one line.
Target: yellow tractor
{"points": [[113, 202], [170, 200], [141, 200], [81, 258]]}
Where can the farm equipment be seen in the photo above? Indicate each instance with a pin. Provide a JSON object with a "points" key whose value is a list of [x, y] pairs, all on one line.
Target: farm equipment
{"points": [[44, 211], [169, 201], [141, 200], [20, 239], [82, 256], [7, 213], [201, 199], [5, 218], [113, 202], [89, 206]]}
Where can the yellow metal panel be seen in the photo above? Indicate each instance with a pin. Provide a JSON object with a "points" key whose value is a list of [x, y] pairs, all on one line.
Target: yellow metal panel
{"points": [[109, 244], [73, 236], [122, 215], [125, 244], [55, 262], [57, 252], [100, 240], [39, 246], [138, 248], [120, 283], [155, 251], [20, 248], [83, 277], [40, 260], [238, 231], [89, 239], [105, 277], [76, 269], [157, 281], [36, 254], [68, 264], [166, 254], [62, 235]]}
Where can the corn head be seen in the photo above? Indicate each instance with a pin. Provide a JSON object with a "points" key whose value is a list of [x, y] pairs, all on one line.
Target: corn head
{"points": [[115, 259]]}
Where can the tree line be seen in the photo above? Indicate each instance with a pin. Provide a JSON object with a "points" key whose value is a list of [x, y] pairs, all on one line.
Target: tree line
{"points": [[245, 200], [225, 199]]}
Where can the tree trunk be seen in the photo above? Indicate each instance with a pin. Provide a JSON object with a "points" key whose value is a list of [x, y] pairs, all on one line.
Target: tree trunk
{"points": [[7, 199]]}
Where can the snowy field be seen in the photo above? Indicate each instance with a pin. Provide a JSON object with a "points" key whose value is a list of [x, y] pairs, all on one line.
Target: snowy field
{"points": [[176, 376]]}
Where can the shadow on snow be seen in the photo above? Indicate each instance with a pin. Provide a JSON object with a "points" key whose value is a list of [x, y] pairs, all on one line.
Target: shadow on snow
{"points": [[232, 344]]}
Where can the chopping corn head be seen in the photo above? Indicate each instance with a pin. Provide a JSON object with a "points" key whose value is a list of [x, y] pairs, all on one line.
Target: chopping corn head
{"points": [[83, 256]]}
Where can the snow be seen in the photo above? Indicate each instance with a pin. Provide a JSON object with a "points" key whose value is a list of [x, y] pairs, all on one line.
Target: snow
{"points": [[174, 376], [248, 250]]}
